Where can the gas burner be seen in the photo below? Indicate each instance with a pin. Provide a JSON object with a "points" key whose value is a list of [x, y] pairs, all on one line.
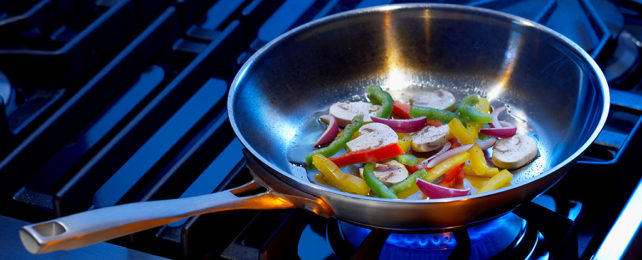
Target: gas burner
{"points": [[507, 236], [621, 66]]}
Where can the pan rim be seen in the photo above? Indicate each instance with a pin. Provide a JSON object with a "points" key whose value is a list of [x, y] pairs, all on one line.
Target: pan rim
{"points": [[318, 190]]}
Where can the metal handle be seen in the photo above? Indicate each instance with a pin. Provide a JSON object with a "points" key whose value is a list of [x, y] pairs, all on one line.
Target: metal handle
{"points": [[86, 228]]}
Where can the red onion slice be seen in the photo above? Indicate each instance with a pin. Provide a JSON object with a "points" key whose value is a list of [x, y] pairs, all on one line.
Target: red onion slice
{"points": [[499, 128], [496, 123], [435, 191], [330, 132], [503, 132], [486, 143], [450, 153], [402, 125], [495, 115], [423, 163]]}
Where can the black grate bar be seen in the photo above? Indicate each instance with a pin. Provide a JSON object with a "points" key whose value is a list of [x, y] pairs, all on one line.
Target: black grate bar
{"points": [[191, 167], [69, 155], [159, 145], [82, 106], [131, 137]]}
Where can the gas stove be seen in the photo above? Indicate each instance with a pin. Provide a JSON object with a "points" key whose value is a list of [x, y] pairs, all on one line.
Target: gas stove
{"points": [[114, 101]]}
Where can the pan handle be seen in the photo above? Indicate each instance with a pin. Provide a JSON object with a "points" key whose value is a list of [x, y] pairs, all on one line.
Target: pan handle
{"points": [[86, 228]]}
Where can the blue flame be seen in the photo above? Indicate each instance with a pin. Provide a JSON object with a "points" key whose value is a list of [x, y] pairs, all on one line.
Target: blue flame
{"points": [[487, 240]]}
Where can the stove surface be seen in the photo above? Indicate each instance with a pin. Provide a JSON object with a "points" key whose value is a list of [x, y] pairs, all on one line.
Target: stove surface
{"points": [[114, 101]]}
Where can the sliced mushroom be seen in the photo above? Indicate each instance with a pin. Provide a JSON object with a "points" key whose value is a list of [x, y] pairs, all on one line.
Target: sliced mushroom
{"points": [[389, 172], [371, 136], [438, 98], [429, 138], [514, 152], [345, 111]]}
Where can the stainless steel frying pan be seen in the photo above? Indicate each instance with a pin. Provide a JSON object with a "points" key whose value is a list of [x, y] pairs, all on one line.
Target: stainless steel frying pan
{"points": [[554, 90]]}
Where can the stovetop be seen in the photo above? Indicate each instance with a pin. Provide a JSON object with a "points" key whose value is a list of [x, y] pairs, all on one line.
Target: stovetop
{"points": [[113, 101]]}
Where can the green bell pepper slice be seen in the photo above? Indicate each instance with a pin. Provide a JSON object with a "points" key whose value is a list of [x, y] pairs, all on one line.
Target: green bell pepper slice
{"points": [[338, 143], [380, 97], [380, 189]]}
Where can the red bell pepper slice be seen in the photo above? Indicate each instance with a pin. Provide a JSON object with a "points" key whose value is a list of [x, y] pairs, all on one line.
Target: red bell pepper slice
{"points": [[454, 143], [401, 110], [433, 122], [453, 178], [368, 155]]}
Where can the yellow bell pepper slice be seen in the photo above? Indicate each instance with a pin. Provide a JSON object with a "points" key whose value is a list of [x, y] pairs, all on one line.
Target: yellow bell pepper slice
{"points": [[483, 105], [468, 170], [502, 179], [407, 192], [473, 129], [476, 181], [478, 163], [444, 166], [334, 176], [319, 178], [404, 141], [459, 131]]}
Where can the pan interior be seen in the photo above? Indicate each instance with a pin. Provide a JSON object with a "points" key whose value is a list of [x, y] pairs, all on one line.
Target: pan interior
{"points": [[552, 91]]}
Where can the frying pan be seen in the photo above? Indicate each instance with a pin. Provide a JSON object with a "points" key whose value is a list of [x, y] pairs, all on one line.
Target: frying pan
{"points": [[554, 91]]}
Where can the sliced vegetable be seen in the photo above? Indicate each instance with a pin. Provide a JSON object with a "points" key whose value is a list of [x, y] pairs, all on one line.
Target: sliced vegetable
{"points": [[334, 176], [431, 113], [344, 112], [433, 122], [478, 162], [319, 178], [435, 191], [468, 108], [499, 128], [401, 110], [473, 113], [415, 168], [438, 98], [460, 132], [404, 141], [446, 155], [368, 155], [473, 129], [407, 159], [405, 188], [338, 143], [451, 176], [514, 152], [483, 105], [452, 173], [389, 172], [457, 182], [502, 179], [470, 100], [375, 185], [486, 143], [330, 132], [430, 138], [402, 125], [468, 170], [475, 181], [378, 96], [496, 123], [441, 168], [445, 148], [503, 132], [372, 136]]}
